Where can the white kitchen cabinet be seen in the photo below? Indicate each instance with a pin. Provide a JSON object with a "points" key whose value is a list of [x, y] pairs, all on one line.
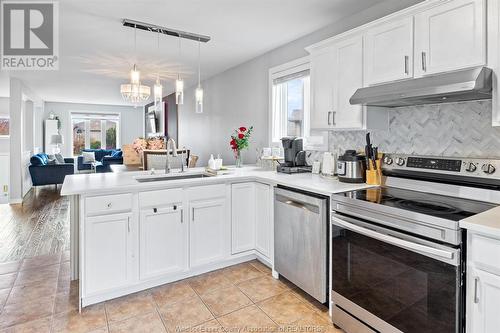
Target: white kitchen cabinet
{"points": [[243, 214], [483, 301], [388, 52], [263, 219], [209, 229], [109, 252], [450, 36], [336, 74], [162, 241], [483, 283], [347, 78], [322, 88]]}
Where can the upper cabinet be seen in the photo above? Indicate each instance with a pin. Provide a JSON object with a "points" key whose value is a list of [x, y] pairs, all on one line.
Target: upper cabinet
{"points": [[434, 36], [450, 37], [336, 74], [389, 52], [347, 78], [322, 88]]}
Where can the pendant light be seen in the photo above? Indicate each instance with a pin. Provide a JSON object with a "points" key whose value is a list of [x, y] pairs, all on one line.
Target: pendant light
{"points": [[179, 83], [134, 91], [158, 88], [199, 91]]}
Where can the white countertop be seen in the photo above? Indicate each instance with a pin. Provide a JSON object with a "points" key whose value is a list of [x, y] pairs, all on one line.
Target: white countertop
{"points": [[487, 223], [105, 183]]}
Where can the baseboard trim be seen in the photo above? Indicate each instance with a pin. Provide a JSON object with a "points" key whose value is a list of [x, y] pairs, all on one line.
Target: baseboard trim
{"points": [[15, 201]]}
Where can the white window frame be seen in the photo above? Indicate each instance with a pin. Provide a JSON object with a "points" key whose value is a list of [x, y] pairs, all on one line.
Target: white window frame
{"points": [[74, 115], [289, 68]]}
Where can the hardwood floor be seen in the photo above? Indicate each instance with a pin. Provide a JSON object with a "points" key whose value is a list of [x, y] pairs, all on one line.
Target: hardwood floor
{"points": [[39, 226]]}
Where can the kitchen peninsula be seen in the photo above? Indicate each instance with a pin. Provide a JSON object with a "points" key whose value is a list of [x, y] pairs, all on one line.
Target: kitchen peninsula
{"points": [[132, 231]]}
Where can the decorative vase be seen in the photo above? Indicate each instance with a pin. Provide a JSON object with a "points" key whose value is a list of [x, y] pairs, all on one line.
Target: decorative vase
{"points": [[239, 161]]}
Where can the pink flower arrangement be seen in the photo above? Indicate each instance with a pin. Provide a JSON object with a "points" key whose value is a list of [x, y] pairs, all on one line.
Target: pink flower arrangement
{"points": [[156, 143], [139, 145]]}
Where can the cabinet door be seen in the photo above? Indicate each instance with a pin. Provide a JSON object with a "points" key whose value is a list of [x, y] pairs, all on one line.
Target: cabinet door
{"points": [[321, 88], [263, 222], [450, 36], [207, 231], [483, 301], [242, 217], [347, 78], [163, 241], [389, 52], [108, 252]]}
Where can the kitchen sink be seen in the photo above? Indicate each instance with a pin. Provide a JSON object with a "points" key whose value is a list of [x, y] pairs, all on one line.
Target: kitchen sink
{"points": [[160, 178]]}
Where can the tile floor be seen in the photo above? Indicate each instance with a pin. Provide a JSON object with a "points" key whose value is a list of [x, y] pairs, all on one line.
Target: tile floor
{"points": [[36, 295]]}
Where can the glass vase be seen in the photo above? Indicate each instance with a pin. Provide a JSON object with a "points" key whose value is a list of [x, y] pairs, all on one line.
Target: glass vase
{"points": [[239, 160]]}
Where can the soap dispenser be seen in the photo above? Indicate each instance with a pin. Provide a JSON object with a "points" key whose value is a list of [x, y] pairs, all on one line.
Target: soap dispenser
{"points": [[211, 162]]}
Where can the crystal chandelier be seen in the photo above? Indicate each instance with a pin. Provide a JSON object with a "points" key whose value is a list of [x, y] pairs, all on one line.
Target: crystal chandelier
{"points": [[134, 92]]}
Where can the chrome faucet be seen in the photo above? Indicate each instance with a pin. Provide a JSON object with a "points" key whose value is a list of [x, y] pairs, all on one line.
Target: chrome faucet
{"points": [[174, 152]]}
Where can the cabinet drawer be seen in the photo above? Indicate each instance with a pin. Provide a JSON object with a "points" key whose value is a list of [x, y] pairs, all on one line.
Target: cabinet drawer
{"points": [[159, 198], [108, 204], [484, 251]]}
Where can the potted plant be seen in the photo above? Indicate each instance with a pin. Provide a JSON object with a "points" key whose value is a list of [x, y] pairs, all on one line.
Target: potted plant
{"points": [[239, 141]]}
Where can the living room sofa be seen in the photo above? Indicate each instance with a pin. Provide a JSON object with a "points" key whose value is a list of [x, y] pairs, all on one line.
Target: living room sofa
{"points": [[44, 173], [103, 157]]}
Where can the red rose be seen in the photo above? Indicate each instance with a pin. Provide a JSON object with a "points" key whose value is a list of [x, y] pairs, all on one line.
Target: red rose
{"points": [[241, 135], [243, 129], [232, 142]]}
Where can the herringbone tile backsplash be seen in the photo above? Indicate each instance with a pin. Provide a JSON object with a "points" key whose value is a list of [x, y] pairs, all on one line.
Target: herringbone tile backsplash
{"points": [[458, 129]]}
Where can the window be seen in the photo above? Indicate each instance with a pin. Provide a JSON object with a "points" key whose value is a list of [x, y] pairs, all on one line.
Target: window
{"points": [[290, 100], [4, 125], [95, 131]]}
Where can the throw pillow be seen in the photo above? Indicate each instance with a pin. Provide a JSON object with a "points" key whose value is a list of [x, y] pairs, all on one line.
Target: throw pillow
{"points": [[117, 153], [88, 156], [52, 160], [59, 158]]}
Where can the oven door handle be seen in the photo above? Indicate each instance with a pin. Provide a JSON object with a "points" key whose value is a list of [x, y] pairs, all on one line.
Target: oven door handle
{"points": [[393, 240]]}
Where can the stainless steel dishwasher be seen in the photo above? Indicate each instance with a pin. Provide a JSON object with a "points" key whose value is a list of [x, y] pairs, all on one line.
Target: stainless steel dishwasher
{"points": [[301, 240]]}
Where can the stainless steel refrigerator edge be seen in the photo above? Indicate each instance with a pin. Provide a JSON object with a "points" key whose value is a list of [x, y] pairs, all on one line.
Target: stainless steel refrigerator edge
{"points": [[301, 240]]}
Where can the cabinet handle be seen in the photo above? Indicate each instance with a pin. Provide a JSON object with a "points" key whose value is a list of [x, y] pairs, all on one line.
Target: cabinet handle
{"points": [[406, 65], [476, 296], [192, 215], [333, 118], [329, 118], [182, 215], [109, 205], [128, 224], [424, 61]]}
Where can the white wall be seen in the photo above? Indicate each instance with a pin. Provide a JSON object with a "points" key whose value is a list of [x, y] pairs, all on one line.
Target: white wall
{"points": [[4, 154], [239, 96], [131, 119], [4, 110], [23, 103]]}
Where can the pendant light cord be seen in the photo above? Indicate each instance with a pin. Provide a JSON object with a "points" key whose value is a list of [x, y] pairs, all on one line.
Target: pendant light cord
{"points": [[199, 63]]}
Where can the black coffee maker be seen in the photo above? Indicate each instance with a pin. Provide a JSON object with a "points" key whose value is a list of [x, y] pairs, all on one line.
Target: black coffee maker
{"points": [[295, 156]]}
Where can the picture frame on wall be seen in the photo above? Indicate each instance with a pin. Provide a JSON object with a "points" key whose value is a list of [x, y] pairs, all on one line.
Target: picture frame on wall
{"points": [[4, 126]]}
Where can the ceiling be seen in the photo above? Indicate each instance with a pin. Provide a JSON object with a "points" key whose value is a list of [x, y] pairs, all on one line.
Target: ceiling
{"points": [[97, 52]]}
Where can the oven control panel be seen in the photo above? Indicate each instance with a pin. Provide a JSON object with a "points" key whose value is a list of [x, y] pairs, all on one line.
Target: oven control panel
{"points": [[473, 167], [434, 163]]}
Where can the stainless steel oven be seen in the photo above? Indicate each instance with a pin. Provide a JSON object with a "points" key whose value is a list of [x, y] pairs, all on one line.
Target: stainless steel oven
{"points": [[384, 280]]}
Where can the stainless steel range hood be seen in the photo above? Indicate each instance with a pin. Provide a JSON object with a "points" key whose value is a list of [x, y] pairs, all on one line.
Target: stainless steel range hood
{"points": [[464, 85]]}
